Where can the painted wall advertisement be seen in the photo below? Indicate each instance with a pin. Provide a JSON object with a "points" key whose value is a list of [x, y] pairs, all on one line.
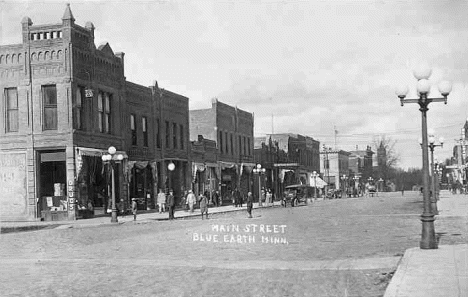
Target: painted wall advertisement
{"points": [[13, 197]]}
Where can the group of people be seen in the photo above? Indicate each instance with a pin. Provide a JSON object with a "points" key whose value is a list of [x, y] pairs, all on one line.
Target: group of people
{"points": [[189, 200]]}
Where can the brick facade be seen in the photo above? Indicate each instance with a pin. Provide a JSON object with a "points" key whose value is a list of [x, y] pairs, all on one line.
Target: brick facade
{"points": [[232, 130], [65, 101]]}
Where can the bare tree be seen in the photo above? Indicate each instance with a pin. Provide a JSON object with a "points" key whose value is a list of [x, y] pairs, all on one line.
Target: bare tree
{"points": [[388, 158]]}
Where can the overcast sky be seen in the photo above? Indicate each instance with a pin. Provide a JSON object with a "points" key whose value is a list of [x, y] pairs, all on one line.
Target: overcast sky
{"points": [[300, 66]]}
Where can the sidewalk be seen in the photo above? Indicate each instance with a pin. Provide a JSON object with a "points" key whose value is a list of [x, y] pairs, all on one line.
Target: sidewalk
{"points": [[439, 272], [105, 220]]}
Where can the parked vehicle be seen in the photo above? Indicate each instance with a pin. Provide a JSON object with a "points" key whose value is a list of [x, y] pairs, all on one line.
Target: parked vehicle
{"points": [[296, 194]]}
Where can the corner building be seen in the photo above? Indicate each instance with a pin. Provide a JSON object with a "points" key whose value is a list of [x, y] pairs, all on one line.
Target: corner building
{"points": [[65, 102]]}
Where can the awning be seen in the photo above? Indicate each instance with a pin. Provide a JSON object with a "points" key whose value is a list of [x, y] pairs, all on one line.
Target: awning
{"points": [[225, 165], [92, 152], [320, 182]]}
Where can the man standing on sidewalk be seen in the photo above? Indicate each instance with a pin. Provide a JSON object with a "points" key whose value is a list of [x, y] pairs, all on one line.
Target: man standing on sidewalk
{"points": [[191, 200], [161, 201], [203, 205], [249, 203], [171, 204]]}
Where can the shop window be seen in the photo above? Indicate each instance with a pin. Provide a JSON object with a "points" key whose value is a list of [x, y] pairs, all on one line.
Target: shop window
{"points": [[133, 129], [174, 135], [12, 109], [49, 95], [144, 126], [78, 113], [181, 135], [167, 134]]}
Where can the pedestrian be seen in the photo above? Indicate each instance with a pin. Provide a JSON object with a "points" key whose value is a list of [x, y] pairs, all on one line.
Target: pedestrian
{"points": [[215, 197], [402, 191], [183, 201], [249, 203], [134, 208], [161, 201], [171, 204], [203, 205], [261, 198], [268, 197], [191, 200], [236, 197]]}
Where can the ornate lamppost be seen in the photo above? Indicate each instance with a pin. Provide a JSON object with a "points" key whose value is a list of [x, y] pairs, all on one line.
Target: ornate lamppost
{"points": [[432, 145], [112, 159], [356, 183], [259, 170], [381, 184], [314, 175], [343, 179], [170, 167], [422, 74]]}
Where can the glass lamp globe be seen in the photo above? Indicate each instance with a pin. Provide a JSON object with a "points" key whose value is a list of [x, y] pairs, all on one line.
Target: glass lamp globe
{"points": [[112, 150], [445, 87], [441, 140], [420, 140], [430, 132], [431, 139], [423, 86], [422, 71], [171, 166], [401, 91], [120, 157], [259, 166]]}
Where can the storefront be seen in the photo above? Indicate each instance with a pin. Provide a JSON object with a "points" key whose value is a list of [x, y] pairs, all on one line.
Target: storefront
{"points": [[93, 183], [142, 183], [229, 179], [52, 179]]}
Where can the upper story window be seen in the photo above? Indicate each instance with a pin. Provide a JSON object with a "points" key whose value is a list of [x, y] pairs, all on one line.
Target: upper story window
{"points": [[232, 145], [226, 141], [158, 133], [221, 141], [174, 135], [11, 95], [78, 114], [133, 129], [240, 145], [49, 97], [168, 134], [104, 112], [181, 135], [144, 127], [248, 145]]}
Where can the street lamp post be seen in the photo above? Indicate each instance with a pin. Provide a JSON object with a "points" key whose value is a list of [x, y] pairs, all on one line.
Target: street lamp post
{"points": [[422, 74], [111, 159], [314, 175], [259, 170], [381, 184], [432, 145], [343, 179], [170, 167], [356, 184]]}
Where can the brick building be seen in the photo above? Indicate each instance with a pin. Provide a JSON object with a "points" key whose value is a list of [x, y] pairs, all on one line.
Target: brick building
{"points": [[335, 164], [288, 159], [65, 101], [232, 130], [360, 163]]}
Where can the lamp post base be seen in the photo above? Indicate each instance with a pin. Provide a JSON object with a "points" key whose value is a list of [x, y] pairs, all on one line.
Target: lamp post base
{"points": [[428, 238], [114, 216]]}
